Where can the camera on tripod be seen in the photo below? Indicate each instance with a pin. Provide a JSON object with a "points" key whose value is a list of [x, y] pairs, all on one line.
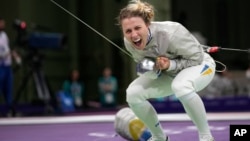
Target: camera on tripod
{"points": [[37, 39], [32, 42]]}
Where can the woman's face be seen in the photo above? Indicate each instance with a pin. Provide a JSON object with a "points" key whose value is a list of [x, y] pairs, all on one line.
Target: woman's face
{"points": [[2, 25], [75, 75], [135, 30]]}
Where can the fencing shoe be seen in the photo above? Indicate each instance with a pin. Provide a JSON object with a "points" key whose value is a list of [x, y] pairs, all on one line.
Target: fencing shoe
{"points": [[151, 139], [206, 138]]}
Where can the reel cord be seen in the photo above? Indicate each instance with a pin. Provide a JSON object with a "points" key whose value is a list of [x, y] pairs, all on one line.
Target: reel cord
{"points": [[224, 66]]}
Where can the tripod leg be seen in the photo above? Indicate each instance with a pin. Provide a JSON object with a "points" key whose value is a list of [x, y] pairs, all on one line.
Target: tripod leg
{"points": [[22, 86], [42, 89], [20, 89]]}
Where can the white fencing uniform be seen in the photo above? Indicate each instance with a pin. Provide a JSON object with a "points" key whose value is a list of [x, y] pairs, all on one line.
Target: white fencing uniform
{"points": [[190, 70]]}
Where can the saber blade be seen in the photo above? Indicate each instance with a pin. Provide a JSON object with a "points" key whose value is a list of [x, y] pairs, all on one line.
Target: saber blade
{"points": [[107, 39]]}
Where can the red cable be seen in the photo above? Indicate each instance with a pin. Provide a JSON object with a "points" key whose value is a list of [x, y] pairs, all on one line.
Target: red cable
{"points": [[213, 49]]}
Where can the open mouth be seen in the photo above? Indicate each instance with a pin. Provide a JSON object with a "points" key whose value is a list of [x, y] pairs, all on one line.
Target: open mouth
{"points": [[137, 42]]}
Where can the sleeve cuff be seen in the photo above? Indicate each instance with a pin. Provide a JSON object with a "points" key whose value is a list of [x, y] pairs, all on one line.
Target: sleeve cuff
{"points": [[172, 65]]}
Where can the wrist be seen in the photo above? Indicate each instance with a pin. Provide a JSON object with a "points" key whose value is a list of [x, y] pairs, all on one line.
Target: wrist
{"points": [[171, 66]]}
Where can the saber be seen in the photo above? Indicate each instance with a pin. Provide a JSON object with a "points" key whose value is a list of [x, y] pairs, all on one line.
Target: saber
{"points": [[91, 28]]}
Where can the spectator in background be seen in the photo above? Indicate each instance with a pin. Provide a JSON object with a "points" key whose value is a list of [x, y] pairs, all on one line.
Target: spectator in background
{"points": [[226, 84], [74, 87], [107, 85], [248, 72], [248, 80], [6, 72]]}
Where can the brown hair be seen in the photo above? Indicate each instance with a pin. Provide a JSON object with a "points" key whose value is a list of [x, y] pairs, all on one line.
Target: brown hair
{"points": [[136, 8]]}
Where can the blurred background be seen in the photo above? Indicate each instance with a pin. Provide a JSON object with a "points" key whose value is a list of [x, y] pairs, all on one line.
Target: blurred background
{"points": [[214, 22]]}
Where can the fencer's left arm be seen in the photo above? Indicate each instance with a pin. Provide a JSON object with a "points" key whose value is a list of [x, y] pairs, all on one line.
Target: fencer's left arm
{"points": [[186, 49]]}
